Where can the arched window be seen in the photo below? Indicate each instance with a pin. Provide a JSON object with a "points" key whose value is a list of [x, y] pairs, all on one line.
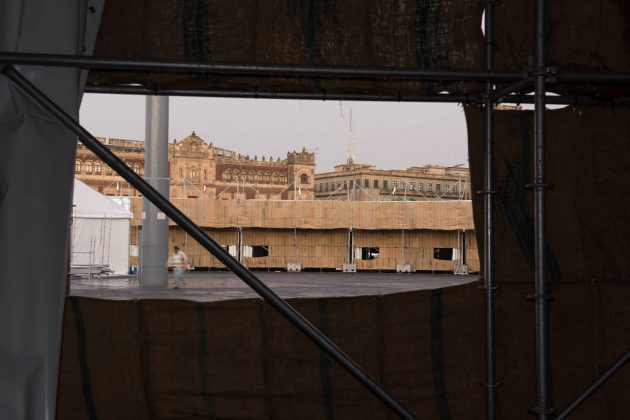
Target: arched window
{"points": [[304, 179], [88, 167], [108, 170], [193, 174], [77, 167], [227, 175], [97, 168], [259, 176], [251, 176], [136, 168], [181, 172], [284, 178], [275, 177], [235, 174], [266, 177]]}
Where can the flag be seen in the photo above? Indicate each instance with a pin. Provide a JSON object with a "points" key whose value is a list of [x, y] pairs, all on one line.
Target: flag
{"points": [[341, 187], [117, 187], [204, 189]]}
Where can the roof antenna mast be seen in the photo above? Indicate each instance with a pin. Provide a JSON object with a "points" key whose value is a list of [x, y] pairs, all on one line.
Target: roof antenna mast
{"points": [[350, 156]]}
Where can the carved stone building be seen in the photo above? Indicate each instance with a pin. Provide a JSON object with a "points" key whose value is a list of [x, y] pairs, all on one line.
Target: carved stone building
{"points": [[201, 170], [360, 182]]}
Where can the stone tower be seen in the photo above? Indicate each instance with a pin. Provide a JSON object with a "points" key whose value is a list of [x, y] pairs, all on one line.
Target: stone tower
{"points": [[301, 167]]}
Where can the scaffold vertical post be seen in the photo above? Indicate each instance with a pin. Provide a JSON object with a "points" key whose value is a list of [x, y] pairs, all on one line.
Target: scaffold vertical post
{"points": [[543, 408], [488, 228]]}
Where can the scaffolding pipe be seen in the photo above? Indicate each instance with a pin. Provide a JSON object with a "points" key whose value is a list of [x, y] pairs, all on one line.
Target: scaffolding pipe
{"points": [[594, 386], [208, 243], [295, 70], [324, 96], [256, 69], [488, 251], [543, 408]]}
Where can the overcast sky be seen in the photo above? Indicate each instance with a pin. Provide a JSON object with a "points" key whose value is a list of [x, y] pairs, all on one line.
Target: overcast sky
{"points": [[387, 135]]}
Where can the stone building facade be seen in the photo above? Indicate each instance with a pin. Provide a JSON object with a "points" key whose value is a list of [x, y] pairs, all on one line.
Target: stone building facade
{"points": [[360, 182], [201, 170]]}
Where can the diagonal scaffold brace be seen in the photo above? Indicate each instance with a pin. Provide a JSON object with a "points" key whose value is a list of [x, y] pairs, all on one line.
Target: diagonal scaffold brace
{"points": [[208, 243]]}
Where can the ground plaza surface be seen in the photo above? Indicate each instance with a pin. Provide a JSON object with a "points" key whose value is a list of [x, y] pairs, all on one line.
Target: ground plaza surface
{"points": [[224, 285]]}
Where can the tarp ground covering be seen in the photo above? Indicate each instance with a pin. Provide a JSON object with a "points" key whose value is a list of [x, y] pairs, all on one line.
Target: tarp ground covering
{"points": [[239, 359]]}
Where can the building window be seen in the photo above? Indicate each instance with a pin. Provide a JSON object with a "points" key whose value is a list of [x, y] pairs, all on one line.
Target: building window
{"points": [[358, 183], [394, 184], [366, 183], [181, 172], [326, 186], [429, 187], [259, 176], [403, 185], [266, 177], [136, 168], [420, 186], [454, 189], [235, 174], [108, 170], [304, 179], [227, 175], [97, 168], [252, 176], [376, 183], [437, 188], [88, 167], [384, 184], [411, 186], [77, 166], [284, 178], [338, 184], [367, 253], [446, 188], [193, 174], [351, 184]]}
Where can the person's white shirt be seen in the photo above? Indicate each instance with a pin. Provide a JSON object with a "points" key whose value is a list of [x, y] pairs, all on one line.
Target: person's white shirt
{"points": [[178, 259]]}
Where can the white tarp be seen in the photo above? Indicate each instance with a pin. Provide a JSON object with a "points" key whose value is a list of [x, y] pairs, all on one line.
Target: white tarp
{"points": [[100, 230]]}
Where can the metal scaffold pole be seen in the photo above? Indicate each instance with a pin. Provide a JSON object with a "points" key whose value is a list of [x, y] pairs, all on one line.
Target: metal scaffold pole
{"points": [[488, 251], [543, 408], [155, 224]]}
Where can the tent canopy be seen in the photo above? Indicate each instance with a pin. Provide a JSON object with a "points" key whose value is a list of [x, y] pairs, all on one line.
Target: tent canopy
{"points": [[90, 204]]}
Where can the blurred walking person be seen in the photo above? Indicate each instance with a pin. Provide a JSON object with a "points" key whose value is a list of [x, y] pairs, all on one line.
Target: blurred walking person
{"points": [[179, 262]]}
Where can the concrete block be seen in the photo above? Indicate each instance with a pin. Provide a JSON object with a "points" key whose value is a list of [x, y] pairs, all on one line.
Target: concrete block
{"points": [[294, 267], [349, 268], [403, 268], [461, 269]]}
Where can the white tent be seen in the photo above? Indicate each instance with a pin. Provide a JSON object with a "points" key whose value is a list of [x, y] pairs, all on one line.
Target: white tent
{"points": [[100, 230]]}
